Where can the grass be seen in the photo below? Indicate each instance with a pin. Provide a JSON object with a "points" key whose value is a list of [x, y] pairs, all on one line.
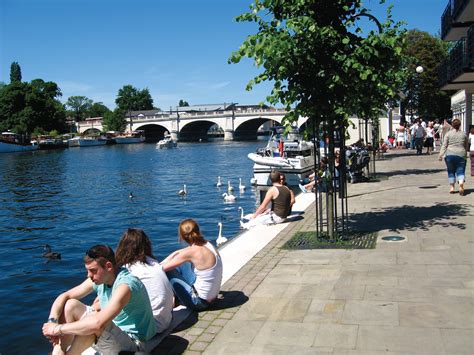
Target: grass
{"points": [[351, 240]]}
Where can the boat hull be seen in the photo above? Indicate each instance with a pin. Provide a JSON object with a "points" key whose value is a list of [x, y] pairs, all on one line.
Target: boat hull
{"points": [[86, 142], [295, 169], [129, 140], [166, 144], [13, 147]]}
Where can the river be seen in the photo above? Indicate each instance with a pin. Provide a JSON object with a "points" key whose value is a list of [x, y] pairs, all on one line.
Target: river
{"points": [[75, 198]]}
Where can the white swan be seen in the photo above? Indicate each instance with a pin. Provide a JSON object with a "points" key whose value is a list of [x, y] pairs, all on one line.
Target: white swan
{"points": [[230, 188], [241, 187], [228, 197], [244, 218], [220, 239], [183, 191], [219, 183]]}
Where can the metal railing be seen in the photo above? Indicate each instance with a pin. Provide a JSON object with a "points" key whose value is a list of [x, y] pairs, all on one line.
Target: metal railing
{"points": [[457, 7], [460, 59], [446, 21]]}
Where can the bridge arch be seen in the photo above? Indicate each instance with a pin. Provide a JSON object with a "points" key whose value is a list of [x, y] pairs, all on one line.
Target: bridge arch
{"points": [[195, 131], [248, 129], [153, 132], [91, 131]]}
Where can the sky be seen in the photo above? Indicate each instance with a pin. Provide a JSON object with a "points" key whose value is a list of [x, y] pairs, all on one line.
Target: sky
{"points": [[177, 49]]}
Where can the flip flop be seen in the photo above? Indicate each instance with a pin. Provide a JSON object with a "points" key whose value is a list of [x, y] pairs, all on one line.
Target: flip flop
{"points": [[461, 191], [452, 192]]}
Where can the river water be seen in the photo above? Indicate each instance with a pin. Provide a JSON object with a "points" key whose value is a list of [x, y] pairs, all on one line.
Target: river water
{"points": [[79, 197]]}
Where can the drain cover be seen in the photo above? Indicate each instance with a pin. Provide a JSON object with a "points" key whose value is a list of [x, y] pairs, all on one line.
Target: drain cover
{"points": [[393, 238]]}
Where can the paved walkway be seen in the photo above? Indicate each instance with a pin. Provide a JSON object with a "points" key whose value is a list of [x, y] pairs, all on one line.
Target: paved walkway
{"points": [[415, 296]]}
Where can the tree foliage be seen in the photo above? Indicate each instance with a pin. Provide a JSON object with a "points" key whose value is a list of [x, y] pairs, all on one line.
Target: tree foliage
{"points": [[423, 96], [320, 62], [15, 73], [114, 121], [183, 103], [80, 106], [98, 109], [25, 107], [130, 98]]}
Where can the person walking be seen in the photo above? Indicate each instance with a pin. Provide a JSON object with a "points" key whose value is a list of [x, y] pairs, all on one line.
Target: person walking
{"points": [[453, 150], [420, 134], [471, 148], [429, 138]]}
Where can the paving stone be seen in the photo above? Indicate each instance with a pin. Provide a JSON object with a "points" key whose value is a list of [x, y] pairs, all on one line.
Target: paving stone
{"points": [[400, 339], [437, 315], [337, 336], [371, 313], [287, 333], [325, 311], [458, 341]]}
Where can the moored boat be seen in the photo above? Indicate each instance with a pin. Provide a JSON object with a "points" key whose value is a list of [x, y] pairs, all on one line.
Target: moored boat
{"points": [[48, 142], [130, 138], [288, 154], [166, 143], [86, 141], [12, 142]]}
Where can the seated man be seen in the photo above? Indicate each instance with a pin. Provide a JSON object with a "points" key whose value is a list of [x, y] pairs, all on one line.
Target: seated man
{"points": [[318, 179], [124, 321], [281, 198]]}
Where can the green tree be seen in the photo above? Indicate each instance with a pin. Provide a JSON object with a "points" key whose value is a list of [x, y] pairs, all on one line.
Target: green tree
{"points": [[79, 105], [114, 121], [15, 72], [98, 109], [25, 107], [321, 63], [183, 103], [130, 98], [423, 96]]}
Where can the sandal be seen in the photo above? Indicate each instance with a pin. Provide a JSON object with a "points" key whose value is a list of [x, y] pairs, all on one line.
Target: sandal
{"points": [[452, 191], [461, 190]]}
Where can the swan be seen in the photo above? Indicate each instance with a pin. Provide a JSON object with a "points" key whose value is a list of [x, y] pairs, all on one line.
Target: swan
{"points": [[220, 239], [49, 254], [219, 183], [228, 197], [230, 188], [183, 191], [241, 187], [244, 218]]}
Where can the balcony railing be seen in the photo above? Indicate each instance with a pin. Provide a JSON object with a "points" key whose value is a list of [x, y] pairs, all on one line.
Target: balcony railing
{"points": [[446, 21], [460, 59], [458, 6]]}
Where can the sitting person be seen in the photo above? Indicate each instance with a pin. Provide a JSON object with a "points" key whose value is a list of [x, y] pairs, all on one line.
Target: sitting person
{"points": [[134, 252], [319, 178], [283, 182], [125, 319], [281, 198], [383, 147], [195, 272]]}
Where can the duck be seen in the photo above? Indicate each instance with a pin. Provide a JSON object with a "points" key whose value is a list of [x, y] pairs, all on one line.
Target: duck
{"points": [[183, 191], [230, 188], [130, 196], [241, 187], [49, 254], [219, 183], [228, 197], [220, 239]]}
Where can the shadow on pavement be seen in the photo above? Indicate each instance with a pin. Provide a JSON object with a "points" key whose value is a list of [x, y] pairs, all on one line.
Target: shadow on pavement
{"points": [[411, 172], [229, 299], [410, 217], [172, 344]]}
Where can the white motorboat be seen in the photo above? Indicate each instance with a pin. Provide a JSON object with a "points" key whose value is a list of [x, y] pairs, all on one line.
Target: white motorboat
{"points": [[288, 154], [166, 143], [130, 138], [86, 141], [11, 142]]}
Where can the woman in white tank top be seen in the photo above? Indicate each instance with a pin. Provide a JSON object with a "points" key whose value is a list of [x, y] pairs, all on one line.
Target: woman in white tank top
{"points": [[195, 272]]}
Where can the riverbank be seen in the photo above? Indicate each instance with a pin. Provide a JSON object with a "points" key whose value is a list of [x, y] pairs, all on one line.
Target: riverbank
{"points": [[414, 296]]}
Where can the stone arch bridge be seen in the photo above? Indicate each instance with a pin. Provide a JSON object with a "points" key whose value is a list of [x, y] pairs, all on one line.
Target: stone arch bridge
{"points": [[192, 125]]}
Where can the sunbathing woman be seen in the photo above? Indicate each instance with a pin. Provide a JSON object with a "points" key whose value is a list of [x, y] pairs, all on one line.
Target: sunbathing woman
{"points": [[195, 272]]}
